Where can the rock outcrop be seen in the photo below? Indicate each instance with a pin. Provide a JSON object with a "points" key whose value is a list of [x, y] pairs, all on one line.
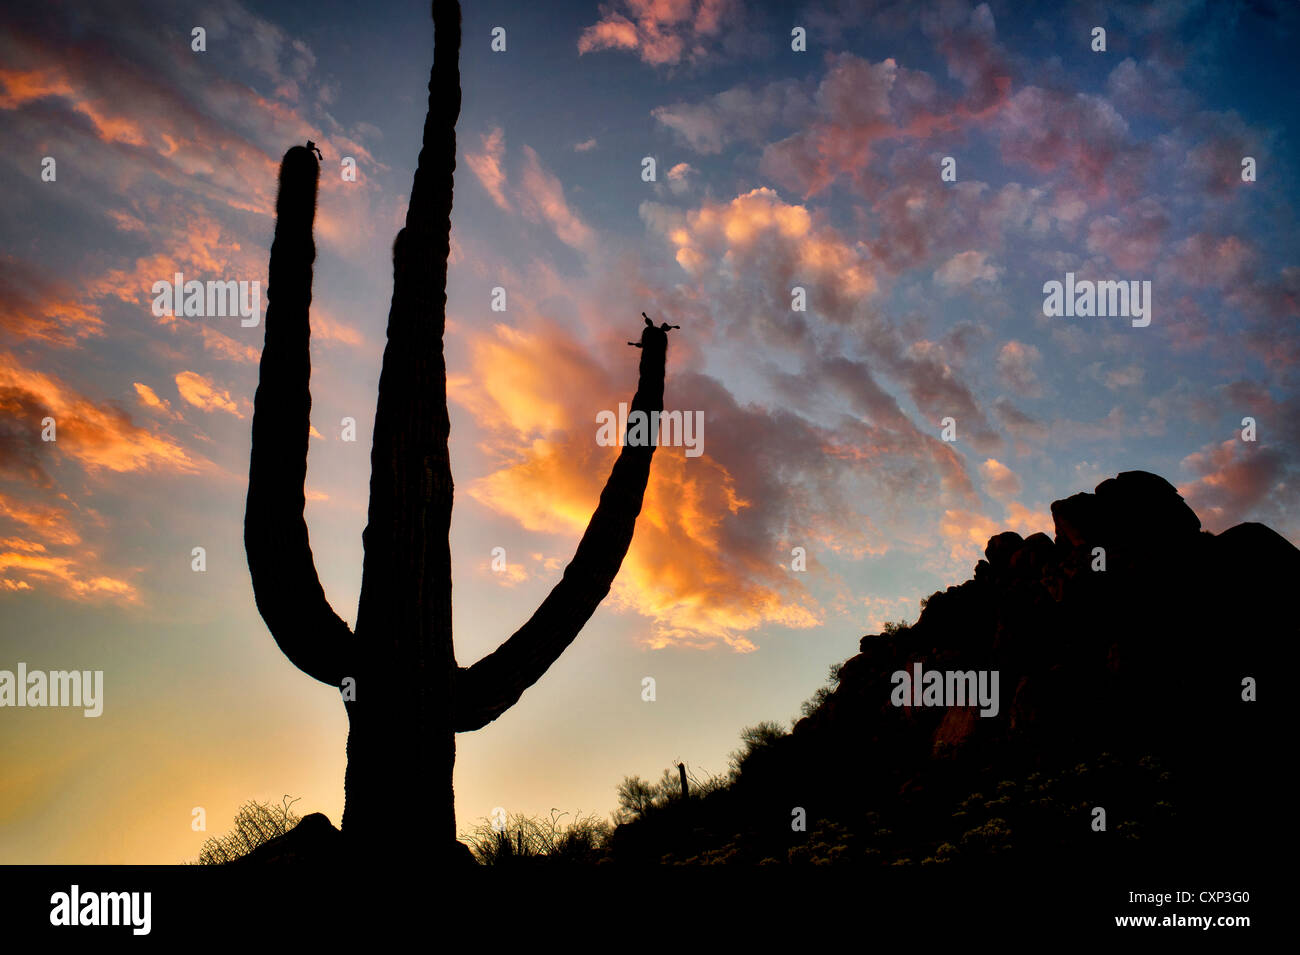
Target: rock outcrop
{"points": [[1129, 634]]}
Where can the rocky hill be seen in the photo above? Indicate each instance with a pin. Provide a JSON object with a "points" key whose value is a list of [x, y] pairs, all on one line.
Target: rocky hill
{"points": [[1121, 647]]}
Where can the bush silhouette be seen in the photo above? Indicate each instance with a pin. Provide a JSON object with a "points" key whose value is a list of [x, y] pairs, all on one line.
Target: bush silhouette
{"points": [[256, 823], [540, 840]]}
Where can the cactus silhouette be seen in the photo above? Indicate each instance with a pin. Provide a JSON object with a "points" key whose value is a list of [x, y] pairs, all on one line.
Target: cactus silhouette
{"points": [[410, 695]]}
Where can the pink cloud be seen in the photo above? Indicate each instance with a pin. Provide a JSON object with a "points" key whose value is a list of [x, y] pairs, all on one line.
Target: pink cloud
{"points": [[541, 199], [1079, 136], [1016, 363], [1132, 239], [967, 268], [486, 166], [1000, 480], [1207, 261], [662, 32], [1233, 479]]}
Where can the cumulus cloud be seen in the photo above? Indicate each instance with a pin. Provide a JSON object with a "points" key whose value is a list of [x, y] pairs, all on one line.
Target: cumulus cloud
{"points": [[967, 268], [858, 105], [1234, 478], [1148, 87], [679, 178], [661, 32], [967, 532], [1209, 261], [1016, 364], [1080, 137], [741, 113], [999, 479], [759, 229], [1132, 239]]}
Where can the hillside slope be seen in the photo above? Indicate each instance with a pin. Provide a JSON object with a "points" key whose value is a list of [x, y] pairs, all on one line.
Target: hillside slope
{"points": [[1119, 688]]}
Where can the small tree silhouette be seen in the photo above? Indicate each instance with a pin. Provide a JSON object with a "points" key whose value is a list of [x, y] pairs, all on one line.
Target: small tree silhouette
{"points": [[406, 695], [755, 739]]}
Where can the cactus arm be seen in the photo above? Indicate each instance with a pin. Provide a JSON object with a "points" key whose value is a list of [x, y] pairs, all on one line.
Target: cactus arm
{"points": [[492, 685], [285, 585], [406, 538]]}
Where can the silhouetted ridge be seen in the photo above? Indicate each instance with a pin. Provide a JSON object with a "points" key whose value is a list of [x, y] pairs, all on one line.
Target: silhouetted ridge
{"points": [[1137, 667]]}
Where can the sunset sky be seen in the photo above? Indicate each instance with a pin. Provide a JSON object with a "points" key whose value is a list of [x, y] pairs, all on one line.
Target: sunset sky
{"points": [[775, 169]]}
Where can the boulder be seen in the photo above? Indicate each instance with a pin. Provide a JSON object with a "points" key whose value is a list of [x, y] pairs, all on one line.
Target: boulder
{"points": [[1146, 504], [313, 840], [1077, 520], [1033, 555], [1001, 546]]}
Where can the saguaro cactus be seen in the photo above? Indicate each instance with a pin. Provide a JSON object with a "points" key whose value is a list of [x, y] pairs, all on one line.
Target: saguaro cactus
{"points": [[411, 696]]}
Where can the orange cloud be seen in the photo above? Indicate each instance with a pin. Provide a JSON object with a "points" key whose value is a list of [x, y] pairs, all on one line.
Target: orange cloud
{"points": [[27, 564], [97, 437], [1001, 480], [197, 248], [46, 520], [150, 400], [681, 572], [35, 306], [614, 32], [758, 222], [23, 87], [62, 573], [223, 346], [967, 532], [203, 394]]}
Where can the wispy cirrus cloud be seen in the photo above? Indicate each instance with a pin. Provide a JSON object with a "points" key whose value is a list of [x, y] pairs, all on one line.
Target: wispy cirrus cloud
{"points": [[486, 166], [538, 195]]}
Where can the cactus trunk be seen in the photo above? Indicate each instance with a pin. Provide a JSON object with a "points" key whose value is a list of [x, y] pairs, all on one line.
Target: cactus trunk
{"points": [[405, 694]]}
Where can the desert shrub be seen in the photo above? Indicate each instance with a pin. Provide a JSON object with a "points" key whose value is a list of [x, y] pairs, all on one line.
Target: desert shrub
{"points": [[754, 740], [539, 839], [255, 824]]}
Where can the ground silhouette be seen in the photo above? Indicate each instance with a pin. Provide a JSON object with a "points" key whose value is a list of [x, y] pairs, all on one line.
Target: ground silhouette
{"points": [[1120, 688]]}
